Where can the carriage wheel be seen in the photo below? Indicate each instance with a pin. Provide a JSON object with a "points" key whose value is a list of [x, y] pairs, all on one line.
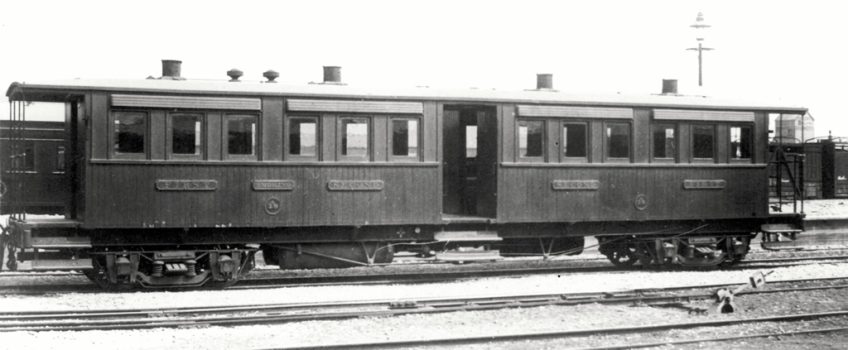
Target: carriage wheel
{"points": [[623, 255], [728, 261], [2, 249], [11, 262], [100, 277]]}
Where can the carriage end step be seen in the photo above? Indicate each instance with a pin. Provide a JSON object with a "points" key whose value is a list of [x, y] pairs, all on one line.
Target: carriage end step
{"points": [[55, 265], [60, 242], [467, 236], [467, 256]]}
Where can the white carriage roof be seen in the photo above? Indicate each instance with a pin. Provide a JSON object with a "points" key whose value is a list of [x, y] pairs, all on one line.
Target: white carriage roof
{"points": [[19, 91]]}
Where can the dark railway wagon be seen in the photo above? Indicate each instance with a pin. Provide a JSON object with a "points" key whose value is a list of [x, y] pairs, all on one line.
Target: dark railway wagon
{"points": [[825, 170], [40, 168], [178, 182], [840, 174]]}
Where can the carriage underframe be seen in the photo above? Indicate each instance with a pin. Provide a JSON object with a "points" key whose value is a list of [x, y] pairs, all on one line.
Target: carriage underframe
{"points": [[222, 257]]}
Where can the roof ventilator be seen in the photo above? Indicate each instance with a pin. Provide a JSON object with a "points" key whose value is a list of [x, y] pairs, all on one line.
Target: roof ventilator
{"points": [[171, 70], [669, 87], [333, 75], [271, 75], [234, 74], [544, 81]]}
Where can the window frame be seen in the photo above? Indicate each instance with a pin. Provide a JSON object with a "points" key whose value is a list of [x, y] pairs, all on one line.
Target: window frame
{"points": [[692, 157], [587, 146], [369, 154], [113, 117], [169, 136], [606, 140], [675, 158], [390, 140], [530, 159], [752, 144], [318, 138], [20, 168], [225, 137]]}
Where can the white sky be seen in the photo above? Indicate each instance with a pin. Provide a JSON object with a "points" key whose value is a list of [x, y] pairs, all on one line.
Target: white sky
{"points": [[789, 51]]}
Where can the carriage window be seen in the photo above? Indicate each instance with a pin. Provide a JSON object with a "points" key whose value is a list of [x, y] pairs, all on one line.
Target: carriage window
{"points": [[186, 135], [530, 138], [60, 158], [29, 157], [355, 138], [24, 160], [574, 140], [740, 142], [664, 141], [241, 135], [471, 141], [303, 137], [618, 140], [703, 141], [405, 137], [130, 130]]}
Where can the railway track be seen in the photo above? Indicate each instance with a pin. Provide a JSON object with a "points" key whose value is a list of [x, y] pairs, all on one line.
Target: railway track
{"points": [[778, 333], [271, 281], [258, 279], [515, 337], [85, 320]]}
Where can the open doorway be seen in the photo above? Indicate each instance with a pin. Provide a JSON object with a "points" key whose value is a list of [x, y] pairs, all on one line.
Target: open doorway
{"points": [[469, 161]]}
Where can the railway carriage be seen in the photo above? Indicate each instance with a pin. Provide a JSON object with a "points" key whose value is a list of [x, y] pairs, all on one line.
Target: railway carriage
{"points": [[41, 161], [174, 182], [825, 170]]}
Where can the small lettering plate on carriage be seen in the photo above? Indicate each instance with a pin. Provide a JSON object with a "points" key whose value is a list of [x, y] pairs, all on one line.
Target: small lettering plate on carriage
{"points": [[575, 185], [355, 185], [704, 184], [186, 185], [273, 185]]}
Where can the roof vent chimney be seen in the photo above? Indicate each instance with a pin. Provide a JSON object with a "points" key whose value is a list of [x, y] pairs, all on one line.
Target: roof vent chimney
{"points": [[332, 75], [544, 81], [669, 87], [171, 69], [271, 75], [234, 74]]}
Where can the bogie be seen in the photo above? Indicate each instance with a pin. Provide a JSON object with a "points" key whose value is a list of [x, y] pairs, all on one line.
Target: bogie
{"points": [[691, 251], [170, 268]]}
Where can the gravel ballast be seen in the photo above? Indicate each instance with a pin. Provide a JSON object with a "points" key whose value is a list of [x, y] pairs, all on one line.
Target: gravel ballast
{"points": [[480, 323], [535, 284], [416, 326]]}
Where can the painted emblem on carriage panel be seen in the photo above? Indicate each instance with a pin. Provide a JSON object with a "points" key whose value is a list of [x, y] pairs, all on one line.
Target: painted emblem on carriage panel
{"points": [[273, 206], [641, 202]]}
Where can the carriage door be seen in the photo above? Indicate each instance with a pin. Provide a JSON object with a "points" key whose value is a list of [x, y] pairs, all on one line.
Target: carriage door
{"points": [[469, 161]]}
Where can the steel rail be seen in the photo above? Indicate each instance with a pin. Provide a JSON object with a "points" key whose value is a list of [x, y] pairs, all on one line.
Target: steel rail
{"points": [[572, 333], [9, 275], [604, 261], [421, 277], [719, 339], [257, 281], [79, 320]]}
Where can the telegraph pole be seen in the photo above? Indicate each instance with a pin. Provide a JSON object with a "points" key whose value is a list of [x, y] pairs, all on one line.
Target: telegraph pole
{"points": [[699, 27]]}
